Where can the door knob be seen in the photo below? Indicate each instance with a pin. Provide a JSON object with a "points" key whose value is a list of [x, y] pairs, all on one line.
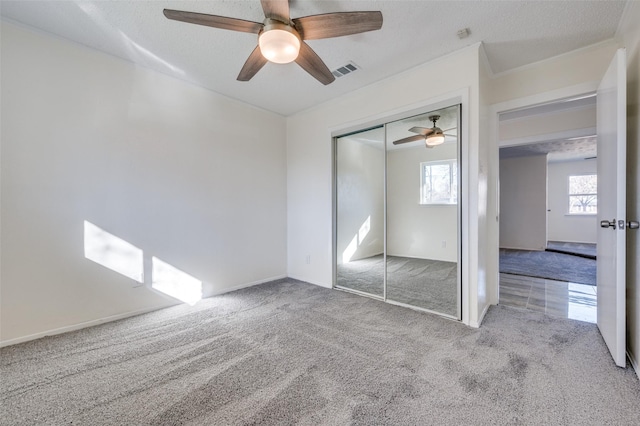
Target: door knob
{"points": [[607, 224], [632, 224]]}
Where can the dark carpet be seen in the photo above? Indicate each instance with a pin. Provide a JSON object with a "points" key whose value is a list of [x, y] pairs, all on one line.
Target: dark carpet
{"points": [[425, 283], [292, 353], [549, 265], [576, 249]]}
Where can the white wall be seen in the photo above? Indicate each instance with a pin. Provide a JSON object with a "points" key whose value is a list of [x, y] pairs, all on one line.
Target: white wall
{"points": [[560, 225], [550, 123], [487, 198], [583, 67], [523, 201], [191, 177], [360, 193], [309, 159], [629, 34], [415, 230]]}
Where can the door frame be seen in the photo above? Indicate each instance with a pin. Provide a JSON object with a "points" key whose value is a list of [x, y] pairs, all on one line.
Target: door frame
{"points": [[493, 268]]}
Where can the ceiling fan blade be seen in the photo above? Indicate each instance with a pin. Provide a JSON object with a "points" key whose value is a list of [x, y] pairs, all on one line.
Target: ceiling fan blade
{"points": [[276, 9], [424, 131], [215, 21], [337, 24], [409, 139], [311, 63], [250, 68]]}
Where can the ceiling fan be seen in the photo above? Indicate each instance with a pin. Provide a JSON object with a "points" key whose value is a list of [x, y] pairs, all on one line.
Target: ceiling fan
{"points": [[281, 39], [432, 136]]}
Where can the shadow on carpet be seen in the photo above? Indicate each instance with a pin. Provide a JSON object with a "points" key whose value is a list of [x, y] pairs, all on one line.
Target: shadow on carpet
{"points": [[549, 265]]}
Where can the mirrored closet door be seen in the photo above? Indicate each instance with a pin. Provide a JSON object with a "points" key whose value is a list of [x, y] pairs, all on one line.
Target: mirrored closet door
{"points": [[359, 188], [398, 212]]}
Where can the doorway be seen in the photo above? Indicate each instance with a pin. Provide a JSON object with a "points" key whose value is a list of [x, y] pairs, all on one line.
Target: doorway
{"points": [[548, 207], [397, 215]]}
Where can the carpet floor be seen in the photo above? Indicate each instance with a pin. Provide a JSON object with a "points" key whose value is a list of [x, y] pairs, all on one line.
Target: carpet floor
{"points": [[577, 249], [292, 353], [549, 265], [424, 283]]}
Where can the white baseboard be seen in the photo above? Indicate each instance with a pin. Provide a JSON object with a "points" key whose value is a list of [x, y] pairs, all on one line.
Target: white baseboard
{"points": [[476, 324], [311, 282], [522, 248], [111, 318], [251, 284], [78, 326], [634, 364]]}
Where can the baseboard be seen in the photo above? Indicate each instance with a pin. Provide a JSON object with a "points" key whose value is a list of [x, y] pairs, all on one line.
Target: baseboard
{"points": [[111, 318], [634, 364], [522, 248], [246, 285], [476, 324], [574, 242], [293, 277], [78, 326]]}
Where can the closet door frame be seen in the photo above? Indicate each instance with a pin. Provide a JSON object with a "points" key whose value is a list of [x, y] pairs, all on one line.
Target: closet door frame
{"points": [[460, 98]]}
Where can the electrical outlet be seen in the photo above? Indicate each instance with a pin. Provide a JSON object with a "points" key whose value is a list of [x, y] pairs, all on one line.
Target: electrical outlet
{"points": [[444, 244], [308, 259]]}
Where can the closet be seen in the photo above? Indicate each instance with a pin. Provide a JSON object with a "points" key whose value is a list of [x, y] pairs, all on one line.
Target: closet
{"points": [[397, 212]]}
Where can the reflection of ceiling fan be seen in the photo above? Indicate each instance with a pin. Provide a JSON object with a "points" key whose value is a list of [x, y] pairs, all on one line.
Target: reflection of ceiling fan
{"points": [[432, 136], [280, 38]]}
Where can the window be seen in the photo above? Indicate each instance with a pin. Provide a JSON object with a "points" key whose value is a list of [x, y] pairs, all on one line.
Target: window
{"points": [[439, 182], [583, 194]]}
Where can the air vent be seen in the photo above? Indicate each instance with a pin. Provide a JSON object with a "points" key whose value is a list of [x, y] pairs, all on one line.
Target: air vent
{"points": [[345, 69]]}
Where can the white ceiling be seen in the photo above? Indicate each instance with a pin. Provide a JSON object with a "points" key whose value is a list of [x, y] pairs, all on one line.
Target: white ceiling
{"points": [[557, 151], [514, 33]]}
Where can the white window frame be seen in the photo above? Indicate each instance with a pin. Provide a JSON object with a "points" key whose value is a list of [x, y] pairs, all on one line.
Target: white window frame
{"points": [[425, 199], [569, 195]]}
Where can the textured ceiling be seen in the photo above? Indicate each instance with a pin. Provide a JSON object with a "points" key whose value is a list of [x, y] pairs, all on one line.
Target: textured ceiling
{"points": [[561, 150], [514, 33]]}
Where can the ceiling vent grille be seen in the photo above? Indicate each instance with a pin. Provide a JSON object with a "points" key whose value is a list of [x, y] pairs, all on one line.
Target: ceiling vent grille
{"points": [[345, 69]]}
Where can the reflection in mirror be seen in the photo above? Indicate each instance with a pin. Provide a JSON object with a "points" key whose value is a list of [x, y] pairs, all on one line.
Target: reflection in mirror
{"points": [[360, 211], [422, 212]]}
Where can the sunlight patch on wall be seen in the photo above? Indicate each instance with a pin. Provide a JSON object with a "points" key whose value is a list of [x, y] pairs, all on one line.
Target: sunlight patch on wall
{"points": [[357, 240], [364, 229], [173, 282], [112, 252]]}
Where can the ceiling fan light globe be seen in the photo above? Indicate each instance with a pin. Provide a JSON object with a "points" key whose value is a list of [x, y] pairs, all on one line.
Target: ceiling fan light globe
{"points": [[279, 46], [435, 139]]}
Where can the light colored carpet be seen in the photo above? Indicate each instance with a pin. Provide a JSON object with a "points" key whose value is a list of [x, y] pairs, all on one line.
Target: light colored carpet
{"points": [[425, 283], [292, 353]]}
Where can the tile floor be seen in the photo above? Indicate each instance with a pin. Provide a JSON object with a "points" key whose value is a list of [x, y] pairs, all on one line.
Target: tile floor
{"points": [[555, 298]]}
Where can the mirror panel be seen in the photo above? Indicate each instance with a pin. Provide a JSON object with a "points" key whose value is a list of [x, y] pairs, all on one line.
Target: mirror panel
{"points": [[423, 215], [359, 187]]}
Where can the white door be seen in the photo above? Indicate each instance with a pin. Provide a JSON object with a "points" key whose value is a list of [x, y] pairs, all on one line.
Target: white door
{"points": [[612, 149]]}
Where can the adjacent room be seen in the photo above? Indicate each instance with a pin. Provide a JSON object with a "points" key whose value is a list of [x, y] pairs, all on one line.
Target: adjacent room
{"points": [[548, 208], [285, 212]]}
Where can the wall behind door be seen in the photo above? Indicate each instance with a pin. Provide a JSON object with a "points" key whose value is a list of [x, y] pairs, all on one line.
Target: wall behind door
{"points": [[523, 203]]}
